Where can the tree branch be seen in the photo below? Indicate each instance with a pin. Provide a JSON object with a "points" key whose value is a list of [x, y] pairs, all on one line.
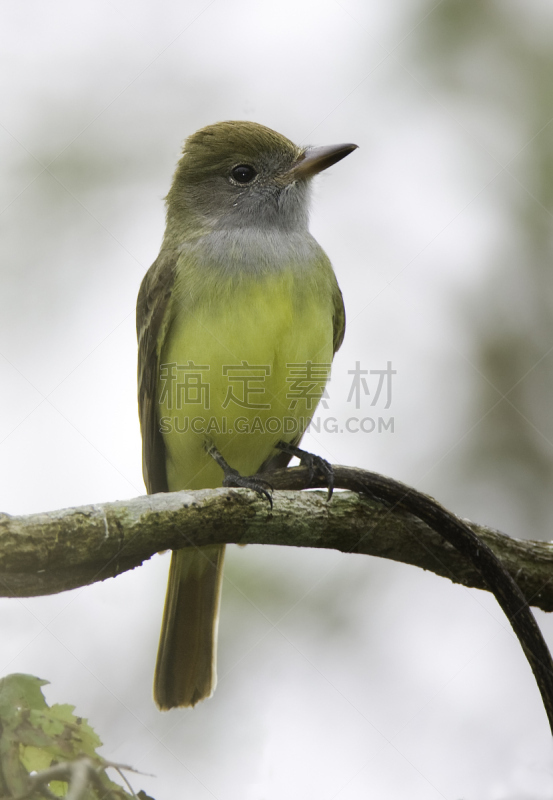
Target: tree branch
{"points": [[51, 552]]}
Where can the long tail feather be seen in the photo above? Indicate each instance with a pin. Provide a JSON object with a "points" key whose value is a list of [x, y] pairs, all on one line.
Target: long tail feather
{"points": [[186, 660]]}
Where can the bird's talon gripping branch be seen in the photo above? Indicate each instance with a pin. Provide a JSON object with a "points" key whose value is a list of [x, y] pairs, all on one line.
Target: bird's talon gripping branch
{"points": [[313, 463], [235, 480]]}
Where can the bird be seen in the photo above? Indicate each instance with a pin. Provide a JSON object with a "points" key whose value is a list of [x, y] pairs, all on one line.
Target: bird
{"points": [[238, 320]]}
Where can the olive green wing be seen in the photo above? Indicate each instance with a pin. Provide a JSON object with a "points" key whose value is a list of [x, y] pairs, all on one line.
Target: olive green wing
{"points": [[152, 322], [338, 319]]}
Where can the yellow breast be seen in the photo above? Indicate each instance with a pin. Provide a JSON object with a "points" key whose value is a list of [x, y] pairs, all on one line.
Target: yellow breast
{"points": [[243, 372]]}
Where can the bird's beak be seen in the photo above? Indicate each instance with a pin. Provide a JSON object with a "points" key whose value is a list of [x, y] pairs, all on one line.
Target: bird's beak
{"points": [[314, 159]]}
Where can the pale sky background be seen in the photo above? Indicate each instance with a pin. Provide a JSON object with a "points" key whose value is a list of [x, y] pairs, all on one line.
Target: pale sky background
{"points": [[340, 677]]}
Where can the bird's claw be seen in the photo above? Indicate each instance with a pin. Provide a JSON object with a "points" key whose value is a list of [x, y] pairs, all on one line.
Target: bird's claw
{"points": [[234, 479], [313, 463]]}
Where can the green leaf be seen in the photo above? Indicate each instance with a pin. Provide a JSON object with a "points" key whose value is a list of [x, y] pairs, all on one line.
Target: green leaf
{"points": [[59, 788], [20, 691], [34, 759]]}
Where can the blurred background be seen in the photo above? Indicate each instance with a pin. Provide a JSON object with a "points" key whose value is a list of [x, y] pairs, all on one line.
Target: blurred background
{"points": [[339, 676]]}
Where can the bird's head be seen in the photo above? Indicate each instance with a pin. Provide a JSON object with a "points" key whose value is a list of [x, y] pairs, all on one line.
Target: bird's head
{"points": [[241, 174]]}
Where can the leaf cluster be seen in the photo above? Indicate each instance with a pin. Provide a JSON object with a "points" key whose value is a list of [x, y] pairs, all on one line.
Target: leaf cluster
{"points": [[46, 750]]}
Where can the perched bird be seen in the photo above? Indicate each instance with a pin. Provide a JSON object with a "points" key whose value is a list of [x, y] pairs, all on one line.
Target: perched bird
{"points": [[238, 320]]}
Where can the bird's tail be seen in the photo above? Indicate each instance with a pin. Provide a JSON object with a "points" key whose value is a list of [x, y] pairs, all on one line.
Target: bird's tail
{"points": [[186, 660]]}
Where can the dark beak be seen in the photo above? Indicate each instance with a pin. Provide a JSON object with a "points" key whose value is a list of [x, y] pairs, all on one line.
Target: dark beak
{"points": [[315, 159]]}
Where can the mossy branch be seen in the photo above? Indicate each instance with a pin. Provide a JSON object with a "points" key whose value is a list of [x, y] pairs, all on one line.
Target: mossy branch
{"points": [[46, 553], [50, 552]]}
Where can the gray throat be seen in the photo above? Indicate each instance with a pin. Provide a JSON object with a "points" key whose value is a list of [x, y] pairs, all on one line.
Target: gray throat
{"points": [[253, 250]]}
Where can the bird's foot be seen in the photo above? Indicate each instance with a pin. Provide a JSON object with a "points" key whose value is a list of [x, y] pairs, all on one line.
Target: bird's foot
{"points": [[235, 480], [315, 464]]}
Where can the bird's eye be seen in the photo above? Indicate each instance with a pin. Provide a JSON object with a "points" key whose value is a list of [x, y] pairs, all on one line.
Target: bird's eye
{"points": [[243, 173]]}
